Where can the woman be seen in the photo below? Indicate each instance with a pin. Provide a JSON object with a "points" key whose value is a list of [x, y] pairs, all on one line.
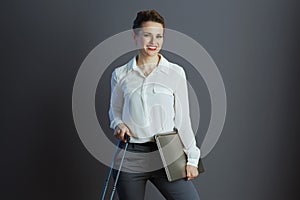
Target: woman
{"points": [[149, 96]]}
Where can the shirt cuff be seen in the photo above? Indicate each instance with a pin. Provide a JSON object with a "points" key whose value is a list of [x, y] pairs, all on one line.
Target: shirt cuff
{"points": [[193, 156], [193, 163], [115, 122]]}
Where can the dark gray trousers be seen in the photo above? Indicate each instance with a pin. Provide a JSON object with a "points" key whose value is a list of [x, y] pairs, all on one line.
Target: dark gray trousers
{"points": [[131, 186]]}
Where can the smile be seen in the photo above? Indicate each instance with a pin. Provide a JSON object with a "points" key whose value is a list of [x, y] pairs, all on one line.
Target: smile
{"points": [[151, 48]]}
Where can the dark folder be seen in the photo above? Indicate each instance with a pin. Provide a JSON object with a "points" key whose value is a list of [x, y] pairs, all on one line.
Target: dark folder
{"points": [[173, 157]]}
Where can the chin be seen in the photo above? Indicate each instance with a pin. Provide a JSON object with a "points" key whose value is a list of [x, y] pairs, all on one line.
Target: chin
{"points": [[152, 53]]}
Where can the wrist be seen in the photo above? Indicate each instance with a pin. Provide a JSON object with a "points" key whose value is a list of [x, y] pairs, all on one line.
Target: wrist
{"points": [[192, 164]]}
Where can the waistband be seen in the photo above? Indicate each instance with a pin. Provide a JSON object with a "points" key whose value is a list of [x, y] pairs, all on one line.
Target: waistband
{"points": [[139, 147]]}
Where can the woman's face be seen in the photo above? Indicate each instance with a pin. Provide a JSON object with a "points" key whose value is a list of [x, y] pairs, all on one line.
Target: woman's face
{"points": [[150, 38]]}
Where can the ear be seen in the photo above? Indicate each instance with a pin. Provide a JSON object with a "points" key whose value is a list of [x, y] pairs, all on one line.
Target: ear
{"points": [[134, 36]]}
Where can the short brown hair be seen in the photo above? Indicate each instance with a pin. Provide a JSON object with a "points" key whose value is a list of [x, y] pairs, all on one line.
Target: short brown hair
{"points": [[147, 15]]}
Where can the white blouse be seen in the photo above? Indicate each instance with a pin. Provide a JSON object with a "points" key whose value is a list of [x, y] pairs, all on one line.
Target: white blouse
{"points": [[153, 104]]}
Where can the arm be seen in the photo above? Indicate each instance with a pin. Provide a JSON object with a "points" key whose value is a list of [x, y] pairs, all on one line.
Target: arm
{"points": [[183, 122], [116, 102], [116, 109]]}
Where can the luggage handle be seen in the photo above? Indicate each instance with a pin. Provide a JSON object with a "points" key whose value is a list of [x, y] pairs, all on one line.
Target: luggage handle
{"points": [[127, 138]]}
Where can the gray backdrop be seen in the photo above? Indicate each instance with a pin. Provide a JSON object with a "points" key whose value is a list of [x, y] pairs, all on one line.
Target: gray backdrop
{"points": [[254, 43]]}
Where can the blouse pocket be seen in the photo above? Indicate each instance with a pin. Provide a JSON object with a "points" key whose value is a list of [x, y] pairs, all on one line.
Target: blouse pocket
{"points": [[159, 89]]}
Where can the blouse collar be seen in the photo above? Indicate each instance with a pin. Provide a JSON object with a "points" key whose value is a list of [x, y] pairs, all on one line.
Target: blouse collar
{"points": [[163, 64]]}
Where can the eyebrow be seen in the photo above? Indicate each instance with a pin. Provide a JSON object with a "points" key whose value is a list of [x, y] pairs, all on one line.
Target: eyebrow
{"points": [[151, 33]]}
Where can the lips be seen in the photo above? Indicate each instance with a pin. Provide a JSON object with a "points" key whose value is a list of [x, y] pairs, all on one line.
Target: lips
{"points": [[151, 47]]}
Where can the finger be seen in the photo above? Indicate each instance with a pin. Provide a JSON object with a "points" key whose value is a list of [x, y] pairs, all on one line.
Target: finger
{"points": [[196, 174], [128, 132], [116, 134], [188, 175], [121, 136], [117, 131]]}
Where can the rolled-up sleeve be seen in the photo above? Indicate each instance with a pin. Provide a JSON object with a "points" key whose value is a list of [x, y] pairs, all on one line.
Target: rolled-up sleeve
{"points": [[183, 122], [116, 102]]}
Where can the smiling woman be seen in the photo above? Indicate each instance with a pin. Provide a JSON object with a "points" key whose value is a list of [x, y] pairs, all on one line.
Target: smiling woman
{"points": [[149, 96], [149, 40]]}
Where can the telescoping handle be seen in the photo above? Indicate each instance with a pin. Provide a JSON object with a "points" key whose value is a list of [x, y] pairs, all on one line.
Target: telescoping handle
{"points": [[127, 138]]}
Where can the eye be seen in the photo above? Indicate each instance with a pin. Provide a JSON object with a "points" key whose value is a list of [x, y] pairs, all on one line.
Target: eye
{"points": [[159, 36], [146, 35]]}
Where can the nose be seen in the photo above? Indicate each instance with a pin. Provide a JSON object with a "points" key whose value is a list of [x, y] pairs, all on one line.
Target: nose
{"points": [[153, 39]]}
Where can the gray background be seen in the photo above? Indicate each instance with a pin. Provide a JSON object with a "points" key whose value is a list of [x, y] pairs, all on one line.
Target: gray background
{"points": [[254, 43]]}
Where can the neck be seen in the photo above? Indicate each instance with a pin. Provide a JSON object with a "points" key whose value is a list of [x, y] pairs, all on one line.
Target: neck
{"points": [[147, 62]]}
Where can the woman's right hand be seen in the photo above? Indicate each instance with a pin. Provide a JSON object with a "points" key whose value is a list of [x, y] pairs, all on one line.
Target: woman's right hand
{"points": [[120, 131]]}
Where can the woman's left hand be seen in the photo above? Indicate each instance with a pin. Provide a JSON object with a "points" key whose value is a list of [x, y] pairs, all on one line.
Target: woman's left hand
{"points": [[191, 172]]}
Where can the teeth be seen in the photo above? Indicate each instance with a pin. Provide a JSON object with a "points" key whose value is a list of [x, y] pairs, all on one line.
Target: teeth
{"points": [[151, 47]]}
